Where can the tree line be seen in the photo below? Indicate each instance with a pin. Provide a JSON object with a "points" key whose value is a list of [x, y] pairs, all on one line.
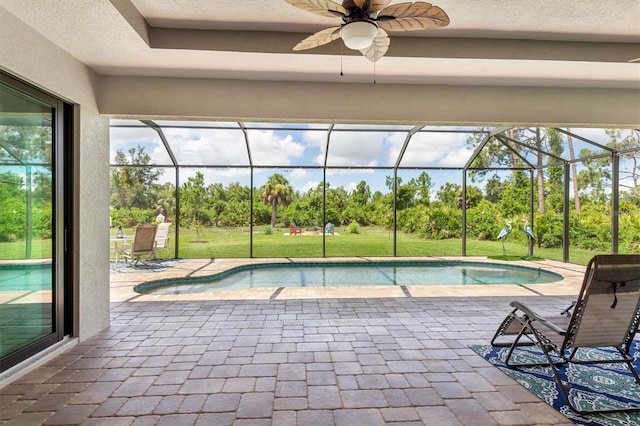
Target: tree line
{"points": [[492, 198]]}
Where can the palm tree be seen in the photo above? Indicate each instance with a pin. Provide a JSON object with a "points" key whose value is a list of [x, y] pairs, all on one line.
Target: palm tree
{"points": [[277, 191]]}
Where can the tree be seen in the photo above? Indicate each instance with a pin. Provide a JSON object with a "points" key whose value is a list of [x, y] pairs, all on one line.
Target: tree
{"points": [[194, 195], [132, 178], [336, 202], [630, 142], [361, 194], [596, 175], [495, 154], [218, 201], [515, 200], [574, 173], [540, 174], [277, 192], [554, 175], [494, 188], [425, 185], [166, 198], [450, 194]]}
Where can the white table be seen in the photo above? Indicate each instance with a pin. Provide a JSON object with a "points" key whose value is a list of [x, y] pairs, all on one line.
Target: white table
{"points": [[116, 244]]}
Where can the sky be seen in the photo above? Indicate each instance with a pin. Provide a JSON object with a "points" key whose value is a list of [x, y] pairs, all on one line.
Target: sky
{"points": [[299, 151]]}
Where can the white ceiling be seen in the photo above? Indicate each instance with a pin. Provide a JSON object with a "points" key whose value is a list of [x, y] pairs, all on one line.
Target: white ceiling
{"points": [[570, 43]]}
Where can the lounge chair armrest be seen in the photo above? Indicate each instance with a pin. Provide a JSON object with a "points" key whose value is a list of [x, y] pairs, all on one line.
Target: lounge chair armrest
{"points": [[528, 312]]}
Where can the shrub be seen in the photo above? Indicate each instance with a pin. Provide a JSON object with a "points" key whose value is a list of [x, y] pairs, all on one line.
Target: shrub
{"points": [[268, 230], [353, 228], [131, 217]]}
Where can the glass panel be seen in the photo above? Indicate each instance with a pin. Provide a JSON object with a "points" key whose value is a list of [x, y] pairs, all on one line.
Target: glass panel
{"points": [[590, 214], [287, 212], [8, 157], [360, 205], [140, 193], [364, 148], [429, 214], [438, 149], [207, 147], [548, 224], [498, 203], [629, 212], [287, 147], [214, 212], [126, 142], [26, 227], [576, 143]]}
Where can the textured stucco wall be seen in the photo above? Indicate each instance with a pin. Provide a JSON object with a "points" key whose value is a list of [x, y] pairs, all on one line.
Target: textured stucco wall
{"points": [[25, 54]]}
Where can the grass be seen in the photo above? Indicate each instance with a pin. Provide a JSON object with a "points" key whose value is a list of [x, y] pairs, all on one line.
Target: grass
{"points": [[40, 249], [371, 241]]}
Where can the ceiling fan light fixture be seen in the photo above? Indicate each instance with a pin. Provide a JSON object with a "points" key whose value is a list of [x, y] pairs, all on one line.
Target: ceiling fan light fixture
{"points": [[359, 34]]}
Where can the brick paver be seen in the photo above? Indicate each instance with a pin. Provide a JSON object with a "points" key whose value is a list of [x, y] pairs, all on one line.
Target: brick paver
{"points": [[284, 362]]}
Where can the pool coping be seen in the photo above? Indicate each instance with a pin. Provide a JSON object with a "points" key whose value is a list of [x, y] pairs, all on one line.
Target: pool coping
{"points": [[122, 284]]}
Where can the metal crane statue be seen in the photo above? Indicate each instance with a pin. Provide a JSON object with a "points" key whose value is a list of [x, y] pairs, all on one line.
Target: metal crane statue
{"points": [[527, 230], [503, 235]]}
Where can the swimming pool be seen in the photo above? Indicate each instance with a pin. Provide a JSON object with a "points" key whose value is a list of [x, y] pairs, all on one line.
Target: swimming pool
{"points": [[352, 274], [25, 277]]}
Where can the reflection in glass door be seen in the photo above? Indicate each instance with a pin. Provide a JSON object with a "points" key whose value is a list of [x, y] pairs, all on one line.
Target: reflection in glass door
{"points": [[28, 291]]}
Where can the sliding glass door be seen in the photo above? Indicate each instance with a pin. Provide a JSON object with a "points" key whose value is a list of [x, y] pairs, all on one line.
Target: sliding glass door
{"points": [[31, 250]]}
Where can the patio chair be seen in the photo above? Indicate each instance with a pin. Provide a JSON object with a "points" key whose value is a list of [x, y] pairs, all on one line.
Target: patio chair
{"points": [[294, 229], [143, 243], [162, 236], [605, 315]]}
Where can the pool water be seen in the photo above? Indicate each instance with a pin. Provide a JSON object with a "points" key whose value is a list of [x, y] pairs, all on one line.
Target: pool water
{"points": [[25, 277], [353, 274]]}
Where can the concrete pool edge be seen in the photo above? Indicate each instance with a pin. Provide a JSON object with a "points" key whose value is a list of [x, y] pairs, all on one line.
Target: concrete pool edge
{"points": [[122, 284]]}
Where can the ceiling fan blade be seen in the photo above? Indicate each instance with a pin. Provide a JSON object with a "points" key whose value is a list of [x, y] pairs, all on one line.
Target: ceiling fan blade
{"points": [[327, 8], [366, 6], [378, 48], [378, 5], [412, 17], [318, 39]]}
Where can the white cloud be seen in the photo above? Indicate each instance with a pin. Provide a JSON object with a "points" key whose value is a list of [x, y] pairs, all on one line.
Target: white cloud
{"points": [[394, 141], [208, 146], [298, 174], [351, 186], [437, 149], [268, 148], [315, 139], [312, 184], [357, 149]]}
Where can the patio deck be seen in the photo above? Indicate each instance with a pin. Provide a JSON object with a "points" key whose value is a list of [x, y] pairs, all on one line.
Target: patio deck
{"points": [[338, 356]]}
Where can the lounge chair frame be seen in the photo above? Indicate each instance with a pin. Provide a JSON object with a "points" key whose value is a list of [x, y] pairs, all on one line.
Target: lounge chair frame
{"points": [[605, 314], [143, 243], [162, 236]]}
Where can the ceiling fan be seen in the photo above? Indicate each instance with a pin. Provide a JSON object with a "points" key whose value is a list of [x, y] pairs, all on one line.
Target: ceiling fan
{"points": [[365, 22]]}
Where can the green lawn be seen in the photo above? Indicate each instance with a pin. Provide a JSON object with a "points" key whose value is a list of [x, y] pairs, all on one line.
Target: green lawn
{"points": [[40, 249], [371, 241]]}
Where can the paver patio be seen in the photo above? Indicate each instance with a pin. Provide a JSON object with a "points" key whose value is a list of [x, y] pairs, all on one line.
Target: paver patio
{"points": [[288, 361]]}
